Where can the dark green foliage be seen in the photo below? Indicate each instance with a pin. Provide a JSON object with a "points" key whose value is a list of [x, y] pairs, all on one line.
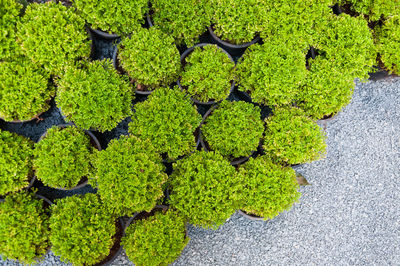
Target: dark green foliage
{"points": [[62, 157], [168, 119], [374, 9], [9, 17], [234, 129], [82, 229], [16, 154], [268, 188], [129, 176], [204, 189], [157, 240], [293, 138], [24, 228], [208, 74], [94, 95]]}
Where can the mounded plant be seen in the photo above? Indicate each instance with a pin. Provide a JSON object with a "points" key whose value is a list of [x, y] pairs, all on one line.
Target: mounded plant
{"points": [[82, 229], [373, 10], [94, 96], [157, 240], [268, 188], [24, 230], [53, 35], [204, 188], [16, 155], [10, 11], [291, 137], [234, 129], [207, 74], [168, 119], [129, 175]]}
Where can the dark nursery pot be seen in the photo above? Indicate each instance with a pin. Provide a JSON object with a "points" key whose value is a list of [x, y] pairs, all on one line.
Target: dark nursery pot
{"points": [[183, 63], [250, 216], [103, 34]]}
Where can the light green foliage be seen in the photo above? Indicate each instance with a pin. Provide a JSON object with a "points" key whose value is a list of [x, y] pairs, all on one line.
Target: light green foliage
{"points": [[150, 58], [53, 36], [204, 189], [185, 20], [113, 16], [157, 240], [82, 229], [24, 228], [234, 129], [129, 176], [208, 74], [94, 95], [293, 138], [24, 90], [168, 119], [268, 188], [374, 9], [16, 154], [271, 73], [62, 157], [9, 17]]}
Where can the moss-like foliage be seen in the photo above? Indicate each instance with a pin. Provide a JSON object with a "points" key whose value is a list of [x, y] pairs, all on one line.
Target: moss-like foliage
{"points": [[373, 10], [293, 138], [271, 73], [168, 119], [82, 229], [185, 20], [204, 189], [25, 90], [234, 129], [53, 36], [268, 188], [207, 74], [9, 17], [94, 95], [157, 240], [150, 58], [129, 176], [24, 228], [113, 16], [62, 157], [16, 154]]}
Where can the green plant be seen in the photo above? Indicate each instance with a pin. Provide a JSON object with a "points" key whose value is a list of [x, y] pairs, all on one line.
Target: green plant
{"points": [[25, 91], [373, 9], [268, 188], [82, 229], [53, 35], [61, 157], [10, 11], [293, 138], [157, 240], [271, 73], [185, 20], [168, 119], [208, 73], [94, 95], [24, 228], [234, 129], [16, 154], [204, 188], [113, 16], [129, 175], [150, 58]]}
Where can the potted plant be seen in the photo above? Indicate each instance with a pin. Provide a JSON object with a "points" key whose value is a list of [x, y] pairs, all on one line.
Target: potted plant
{"points": [[234, 129], [207, 73], [9, 17], [268, 188], [291, 137], [204, 188], [24, 230], [53, 35], [83, 230], [16, 154], [372, 10], [129, 175], [25, 90], [155, 240], [150, 58], [169, 120], [94, 96]]}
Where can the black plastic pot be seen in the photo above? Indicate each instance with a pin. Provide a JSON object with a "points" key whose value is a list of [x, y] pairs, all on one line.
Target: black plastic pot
{"points": [[103, 34], [250, 216], [189, 51]]}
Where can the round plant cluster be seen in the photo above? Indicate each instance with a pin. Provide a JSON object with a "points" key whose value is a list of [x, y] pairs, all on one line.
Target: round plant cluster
{"points": [[10, 11]]}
